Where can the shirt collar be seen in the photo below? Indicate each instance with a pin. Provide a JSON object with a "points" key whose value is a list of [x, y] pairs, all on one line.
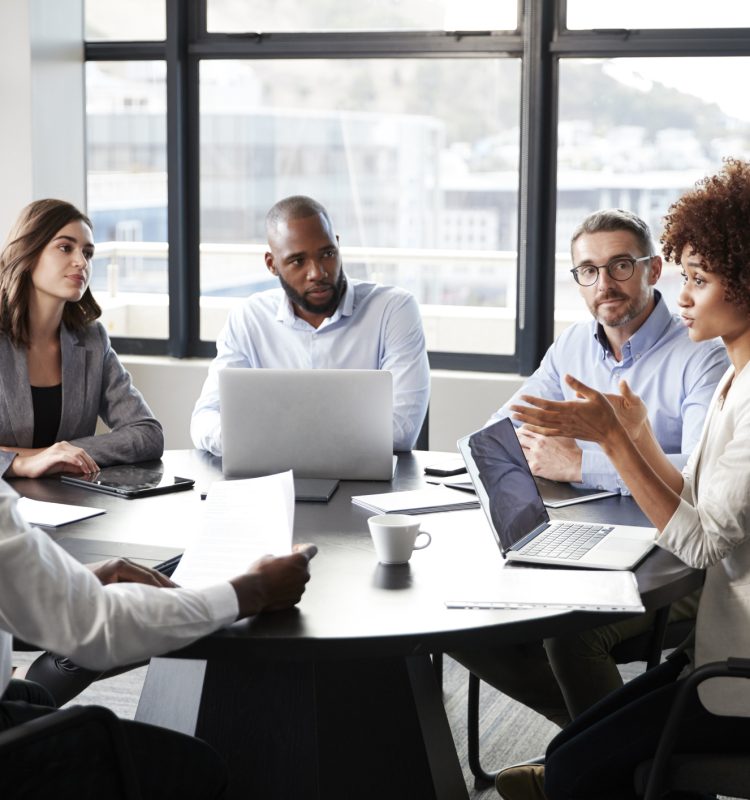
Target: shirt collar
{"points": [[653, 328]]}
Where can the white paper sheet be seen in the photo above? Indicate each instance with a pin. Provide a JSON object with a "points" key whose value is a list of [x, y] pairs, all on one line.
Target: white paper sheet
{"points": [[574, 589], [242, 521], [52, 515]]}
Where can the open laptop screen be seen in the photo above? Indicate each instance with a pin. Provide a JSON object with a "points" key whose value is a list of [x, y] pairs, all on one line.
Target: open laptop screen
{"points": [[504, 483]]}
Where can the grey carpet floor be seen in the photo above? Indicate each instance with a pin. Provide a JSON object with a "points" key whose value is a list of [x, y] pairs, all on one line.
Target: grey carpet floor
{"points": [[510, 733]]}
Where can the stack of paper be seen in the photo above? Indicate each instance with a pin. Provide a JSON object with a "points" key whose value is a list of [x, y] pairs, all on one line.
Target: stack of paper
{"points": [[416, 501]]}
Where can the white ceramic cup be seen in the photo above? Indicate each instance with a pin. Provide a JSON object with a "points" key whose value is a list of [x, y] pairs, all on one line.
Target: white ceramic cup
{"points": [[394, 537]]}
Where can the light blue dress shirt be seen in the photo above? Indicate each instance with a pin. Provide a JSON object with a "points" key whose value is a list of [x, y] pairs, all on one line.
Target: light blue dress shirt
{"points": [[674, 377], [374, 327]]}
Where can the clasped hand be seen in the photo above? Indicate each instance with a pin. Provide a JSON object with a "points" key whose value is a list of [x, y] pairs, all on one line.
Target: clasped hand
{"points": [[593, 416], [59, 457]]}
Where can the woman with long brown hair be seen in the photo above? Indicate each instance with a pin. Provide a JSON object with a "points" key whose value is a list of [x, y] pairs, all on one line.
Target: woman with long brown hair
{"points": [[58, 371]]}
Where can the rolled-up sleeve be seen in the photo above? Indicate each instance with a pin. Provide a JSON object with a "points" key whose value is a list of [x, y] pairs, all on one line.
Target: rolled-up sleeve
{"points": [[231, 351]]}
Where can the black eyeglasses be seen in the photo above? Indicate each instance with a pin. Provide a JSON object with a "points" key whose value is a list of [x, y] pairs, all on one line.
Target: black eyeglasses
{"points": [[619, 269]]}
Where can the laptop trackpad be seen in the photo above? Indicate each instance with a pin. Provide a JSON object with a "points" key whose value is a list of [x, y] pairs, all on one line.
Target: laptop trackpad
{"points": [[618, 545]]}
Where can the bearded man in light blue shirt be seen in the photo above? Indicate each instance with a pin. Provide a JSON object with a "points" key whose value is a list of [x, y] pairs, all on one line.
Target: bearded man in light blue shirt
{"points": [[320, 319], [633, 336]]}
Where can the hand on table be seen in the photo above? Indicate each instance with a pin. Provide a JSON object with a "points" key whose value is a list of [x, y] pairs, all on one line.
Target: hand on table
{"points": [[59, 457], [274, 583], [120, 570]]}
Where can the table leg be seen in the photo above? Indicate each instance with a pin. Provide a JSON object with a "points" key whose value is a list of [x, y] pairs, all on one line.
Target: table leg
{"points": [[322, 730]]}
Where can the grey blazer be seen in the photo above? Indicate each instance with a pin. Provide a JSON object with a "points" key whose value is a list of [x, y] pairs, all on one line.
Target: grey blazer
{"points": [[94, 384]]}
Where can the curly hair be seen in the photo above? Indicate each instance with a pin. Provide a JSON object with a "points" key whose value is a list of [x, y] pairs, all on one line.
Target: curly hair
{"points": [[713, 220], [35, 228]]}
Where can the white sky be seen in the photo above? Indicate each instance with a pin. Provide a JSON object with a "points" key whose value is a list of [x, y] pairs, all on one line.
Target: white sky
{"points": [[715, 80], [721, 81]]}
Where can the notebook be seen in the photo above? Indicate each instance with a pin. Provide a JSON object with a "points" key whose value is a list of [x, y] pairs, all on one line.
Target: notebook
{"points": [[416, 501], [555, 494], [519, 520], [321, 423]]}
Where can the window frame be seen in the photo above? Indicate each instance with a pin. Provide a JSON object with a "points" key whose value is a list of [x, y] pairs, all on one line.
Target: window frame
{"points": [[540, 40]]}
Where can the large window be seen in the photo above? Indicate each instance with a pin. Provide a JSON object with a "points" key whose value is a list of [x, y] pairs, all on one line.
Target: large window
{"points": [[647, 14], [126, 154], [416, 161], [230, 16], [456, 144], [636, 133], [125, 20]]}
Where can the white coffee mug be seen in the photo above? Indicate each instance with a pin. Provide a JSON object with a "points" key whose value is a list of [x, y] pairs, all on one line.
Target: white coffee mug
{"points": [[394, 537]]}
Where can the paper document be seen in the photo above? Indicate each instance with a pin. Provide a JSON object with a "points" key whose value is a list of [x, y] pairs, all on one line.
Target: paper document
{"points": [[52, 515], [416, 501], [242, 521], [527, 587]]}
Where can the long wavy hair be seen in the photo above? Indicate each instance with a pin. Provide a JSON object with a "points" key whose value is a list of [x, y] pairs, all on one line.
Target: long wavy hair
{"points": [[35, 228]]}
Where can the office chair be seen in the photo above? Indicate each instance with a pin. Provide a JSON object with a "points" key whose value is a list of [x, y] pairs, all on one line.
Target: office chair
{"points": [[709, 773], [647, 647], [103, 763]]}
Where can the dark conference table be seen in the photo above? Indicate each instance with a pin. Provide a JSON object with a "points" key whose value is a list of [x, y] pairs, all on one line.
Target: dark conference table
{"points": [[337, 698]]}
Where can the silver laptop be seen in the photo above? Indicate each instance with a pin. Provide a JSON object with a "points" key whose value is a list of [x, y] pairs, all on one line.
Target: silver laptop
{"points": [[519, 520], [322, 423]]}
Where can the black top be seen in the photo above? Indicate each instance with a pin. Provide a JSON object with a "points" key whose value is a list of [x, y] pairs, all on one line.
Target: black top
{"points": [[47, 401]]}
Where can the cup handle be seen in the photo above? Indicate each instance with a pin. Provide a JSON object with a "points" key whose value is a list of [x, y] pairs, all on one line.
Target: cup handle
{"points": [[422, 546]]}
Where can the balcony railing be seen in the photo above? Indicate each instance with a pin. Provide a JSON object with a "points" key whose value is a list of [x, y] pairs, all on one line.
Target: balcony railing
{"points": [[467, 297]]}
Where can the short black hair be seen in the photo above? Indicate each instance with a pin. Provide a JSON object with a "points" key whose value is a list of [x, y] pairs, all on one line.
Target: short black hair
{"points": [[297, 206]]}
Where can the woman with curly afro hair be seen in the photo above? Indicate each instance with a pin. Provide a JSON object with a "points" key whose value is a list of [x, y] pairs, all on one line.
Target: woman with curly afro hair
{"points": [[702, 515]]}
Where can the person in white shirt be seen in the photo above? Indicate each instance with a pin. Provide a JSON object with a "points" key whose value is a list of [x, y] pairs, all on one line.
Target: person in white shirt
{"points": [[320, 318], [48, 598]]}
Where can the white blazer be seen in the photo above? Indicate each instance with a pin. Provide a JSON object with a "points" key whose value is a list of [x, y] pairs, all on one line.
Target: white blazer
{"points": [[711, 529]]}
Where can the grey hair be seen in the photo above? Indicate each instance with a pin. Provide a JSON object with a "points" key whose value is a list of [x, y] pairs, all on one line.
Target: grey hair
{"points": [[607, 220]]}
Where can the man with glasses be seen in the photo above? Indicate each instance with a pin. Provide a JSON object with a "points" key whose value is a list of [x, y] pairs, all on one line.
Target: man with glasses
{"points": [[633, 336]]}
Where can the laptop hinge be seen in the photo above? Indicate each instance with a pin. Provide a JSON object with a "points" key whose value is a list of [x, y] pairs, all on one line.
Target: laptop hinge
{"points": [[521, 543]]}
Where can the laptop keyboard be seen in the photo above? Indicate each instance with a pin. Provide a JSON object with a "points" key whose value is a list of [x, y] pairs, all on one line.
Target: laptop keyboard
{"points": [[568, 540]]}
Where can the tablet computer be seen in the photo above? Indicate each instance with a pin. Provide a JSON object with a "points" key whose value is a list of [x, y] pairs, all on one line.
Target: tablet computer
{"points": [[129, 481]]}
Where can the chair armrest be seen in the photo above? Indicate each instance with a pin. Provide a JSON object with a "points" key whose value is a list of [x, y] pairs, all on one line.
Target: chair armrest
{"points": [[731, 668]]}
